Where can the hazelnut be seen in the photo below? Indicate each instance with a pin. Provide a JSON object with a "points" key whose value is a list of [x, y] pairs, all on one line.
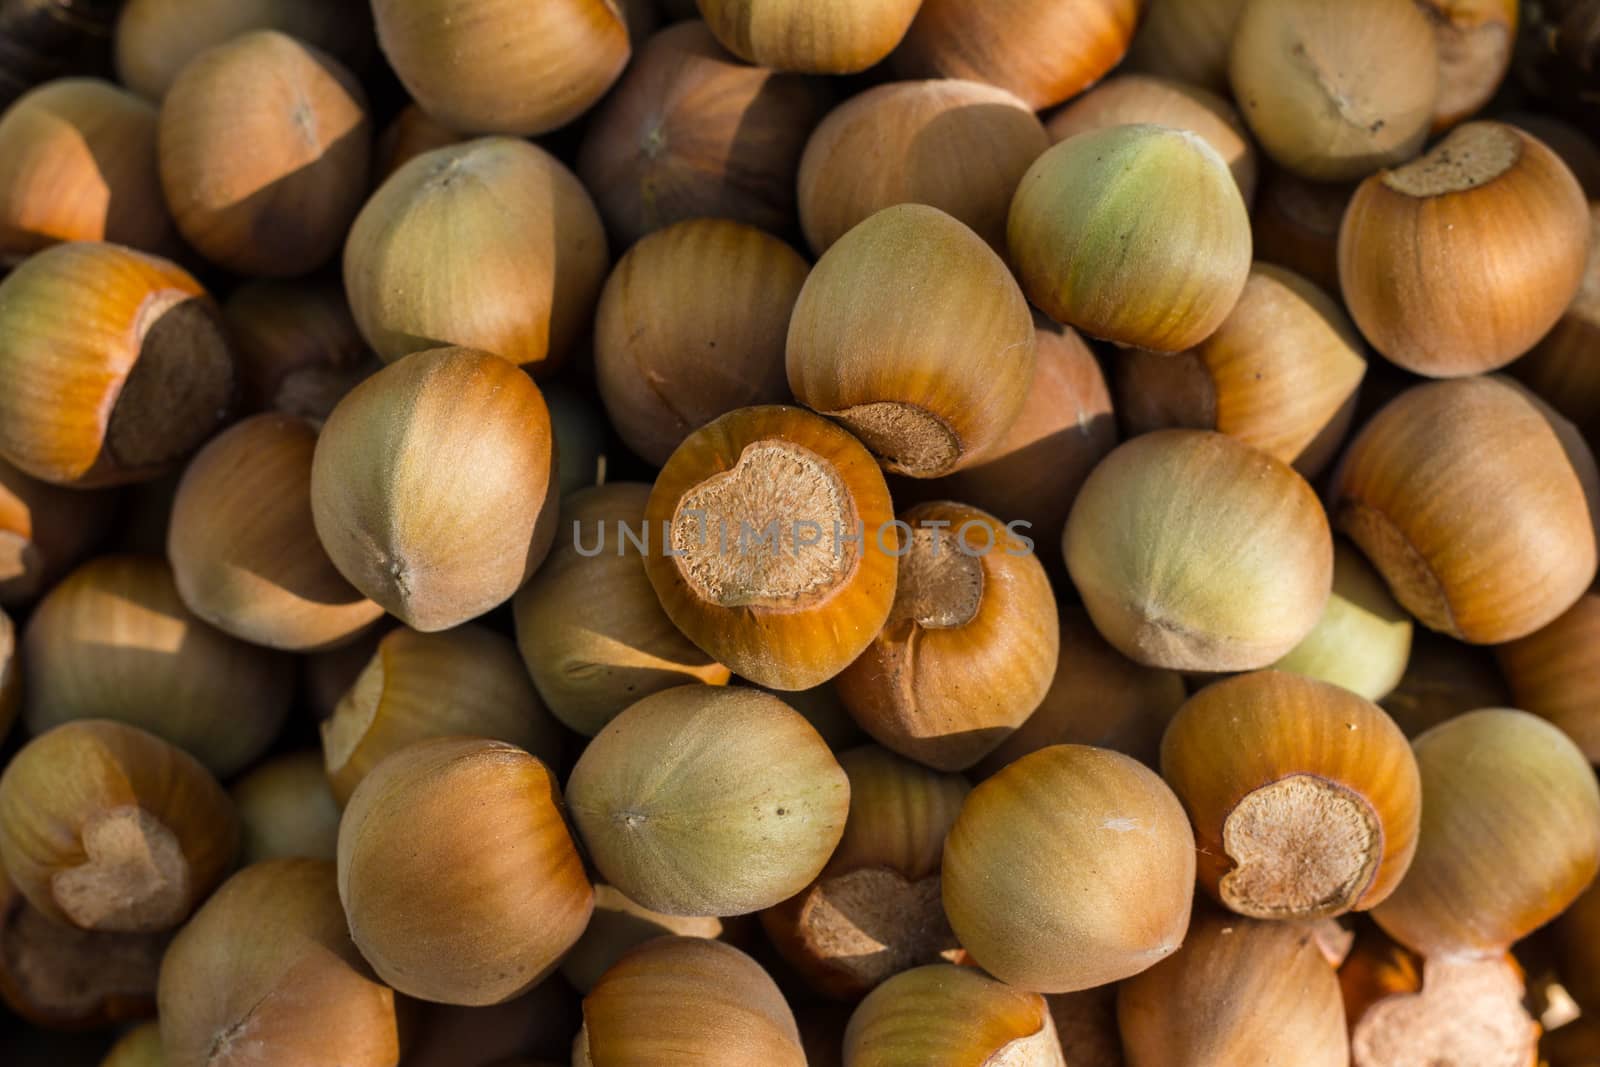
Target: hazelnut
{"points": [[110, 828], [686, 1000], [875, 911], [1283, 367], [1472, 499], [813, 36], [911, 332], [1459, 262], [970, 646], [409, 134], [465, 682], [264, 146], [139, 1047], [618, 925], [704, 800], [1363, 640], [266, 970], [959, 146], [438, 915], [1552, 673], [690, 326], [1444, 678], [115, 363], [945, 1014], [298, 347], [1094, 248], [1558, 368], [44, 531], [1476, 39], [591, 631], [692, 132], [1129, 99], [1043, 50], [1334, 93], [1153, 545], [1104, 816], [771, 545], [501, 212], [1510, 835], [286, 809], [1296, 225], [243, 546], [115, 641], [499, 66], [1187, 40], [433, 485], [1304, 796], [78, 163]]}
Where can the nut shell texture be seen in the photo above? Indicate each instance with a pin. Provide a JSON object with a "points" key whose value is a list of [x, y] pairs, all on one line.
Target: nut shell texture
{"points": [[954, 1016]]}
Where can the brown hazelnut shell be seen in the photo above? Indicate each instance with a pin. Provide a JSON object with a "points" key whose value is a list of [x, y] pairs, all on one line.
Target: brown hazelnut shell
{"points": [[1476, 39], [267, 969], [468, 681], [691, 325], [619, 925], [1480, 246], [438, 915], [433, 485], [707, 800], [692, 132], [44, 530], [1444, 678], [1363, 640], [1069, 808], [1474, 501], [1510, 835], [1304, 797], [116, 366], [951, 1015], [297, 344], [1187, 40], [1042, 50], [1559, 368], [912, 333], [687, 1000], [970, 646], [1553, 673], [78, 163], [1295, 224], [499, 66], [114, 641], [960, 146], [591, 631], [501, 212], [813, 36], [1238, 991], [785, 627], [286, 810], [409, 134], [110, 828]]}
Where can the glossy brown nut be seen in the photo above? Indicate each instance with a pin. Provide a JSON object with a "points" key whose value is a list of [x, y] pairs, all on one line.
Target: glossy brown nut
{"points": [[960, 146], [1363, 640], [970, 646], [244, 549], [267, 969], [1042, 50], [690, 326], [490, 244], [1558, 368], [1473, 500], [692, 132], [1481, 246], [433, 485], [1239, 991], [951, 1015], [116, 363], [1334, 94], [466, 682], [155, 39], [115, 641], [109, 828], [1295, 224], [686, 1002], [591, 631], [752, 551], [813, 36], [298, 347], [912, 333], [264, 148], [1188, 40], [1305, 798], [1094, 249], [286, 810], [498, 66], [1510, 835], [1154, 554], [1074, 808], [438, 914], [1281, 369], [1552, 673], [875, 911], [705, 800], [78, 163], [1128, 99]]}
